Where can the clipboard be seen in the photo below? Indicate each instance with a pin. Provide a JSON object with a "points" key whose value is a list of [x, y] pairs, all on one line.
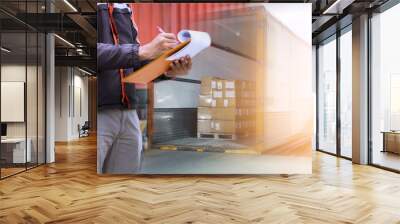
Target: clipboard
{"points": [[155, 68]]}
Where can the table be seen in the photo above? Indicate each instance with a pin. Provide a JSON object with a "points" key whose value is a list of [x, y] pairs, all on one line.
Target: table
{"points": [[391, 141], [13, 150]]}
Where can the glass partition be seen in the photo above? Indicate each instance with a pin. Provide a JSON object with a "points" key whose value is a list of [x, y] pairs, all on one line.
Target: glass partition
{"points": [[22, 88], [327, 96], [385, 89], [14, 153]]}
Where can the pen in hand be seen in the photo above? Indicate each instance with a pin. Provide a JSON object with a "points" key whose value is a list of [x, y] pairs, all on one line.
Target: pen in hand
{"points": [[160, 29]]}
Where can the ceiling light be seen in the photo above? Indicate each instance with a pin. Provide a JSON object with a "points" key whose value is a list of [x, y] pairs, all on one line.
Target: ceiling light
{"points": [[65, 41], [5, 50], [84, 71], [70, 5], [338, 6]]}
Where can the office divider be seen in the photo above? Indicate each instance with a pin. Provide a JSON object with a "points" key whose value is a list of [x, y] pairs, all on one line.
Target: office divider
{"points": [[22, 77]]}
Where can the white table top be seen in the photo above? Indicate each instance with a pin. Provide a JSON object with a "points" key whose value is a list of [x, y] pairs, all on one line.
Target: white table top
{"points": [[13, 140]]}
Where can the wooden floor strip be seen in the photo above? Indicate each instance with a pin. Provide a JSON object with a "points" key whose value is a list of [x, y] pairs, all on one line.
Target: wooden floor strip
{"points": [[70, 191]]}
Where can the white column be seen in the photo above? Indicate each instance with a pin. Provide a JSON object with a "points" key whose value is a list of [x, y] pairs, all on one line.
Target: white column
{"points": [[360, 90], [50, 100]]}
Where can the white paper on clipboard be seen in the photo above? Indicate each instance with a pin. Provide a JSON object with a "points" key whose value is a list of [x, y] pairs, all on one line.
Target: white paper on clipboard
{"points": [[198, 42]]}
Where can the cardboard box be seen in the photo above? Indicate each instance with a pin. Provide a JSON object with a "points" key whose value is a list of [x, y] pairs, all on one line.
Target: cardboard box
{"points": [[251, 94], [205, 100], [225, 102], [230, 84], [217, 94], [224, 126], [224, 113], [226, 107], [232, 127], [242, 127], [205, 113], [216, 113], [206, 86], [229, 93], [204, 126], [217, 126], [238, 85], [220, 84], [246, 103], [226, 88], [209, 101]]}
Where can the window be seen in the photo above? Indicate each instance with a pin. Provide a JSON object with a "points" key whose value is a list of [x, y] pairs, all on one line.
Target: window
{"points": [[327, 97], [385, 89], [346, 93], [334, 106]]}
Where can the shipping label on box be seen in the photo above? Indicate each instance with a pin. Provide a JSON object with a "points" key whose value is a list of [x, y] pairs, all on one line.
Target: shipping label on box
{"points": [[213, 103], [229, 94], [219, 84], [229, 84], [225, 102], [217, 94], [217, 126], [213, 84]]}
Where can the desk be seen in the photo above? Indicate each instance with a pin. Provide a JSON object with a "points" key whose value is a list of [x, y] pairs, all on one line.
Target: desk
{"points": [[13, 150], [391, 141]]}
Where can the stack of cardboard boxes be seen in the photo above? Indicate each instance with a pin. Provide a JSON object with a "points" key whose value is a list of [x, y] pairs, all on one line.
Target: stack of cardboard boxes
{"points": [[226, 108]]}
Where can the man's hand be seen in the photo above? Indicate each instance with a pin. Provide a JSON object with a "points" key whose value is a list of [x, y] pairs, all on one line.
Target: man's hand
{"points": [[161, 43], [179, 67]]}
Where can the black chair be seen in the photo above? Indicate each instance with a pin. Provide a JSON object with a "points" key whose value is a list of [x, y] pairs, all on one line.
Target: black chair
{"points": [[84, 130]]}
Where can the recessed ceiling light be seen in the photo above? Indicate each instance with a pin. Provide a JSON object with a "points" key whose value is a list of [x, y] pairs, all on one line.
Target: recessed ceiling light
{"points": [[84, 71], [338, 6], [64, 40], [70, 5]]}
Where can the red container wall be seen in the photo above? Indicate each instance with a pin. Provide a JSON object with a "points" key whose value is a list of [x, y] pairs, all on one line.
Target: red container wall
{"points": [[172, 17]]}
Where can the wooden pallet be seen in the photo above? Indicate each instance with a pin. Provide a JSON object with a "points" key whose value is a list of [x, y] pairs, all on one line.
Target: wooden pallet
{"points": [[222, 136]]}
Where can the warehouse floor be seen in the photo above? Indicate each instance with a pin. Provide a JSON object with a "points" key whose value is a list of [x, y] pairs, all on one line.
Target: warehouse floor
{"points": [[208, 145], [190, 162]]}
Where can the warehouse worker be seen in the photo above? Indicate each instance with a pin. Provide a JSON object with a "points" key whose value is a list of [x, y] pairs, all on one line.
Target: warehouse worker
{"points": [[119, 54]]}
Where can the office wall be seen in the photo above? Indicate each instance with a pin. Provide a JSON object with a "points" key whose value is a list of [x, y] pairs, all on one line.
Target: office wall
{"points": [[71, 102], [80, 112], [15, 72], [33, 126]]}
